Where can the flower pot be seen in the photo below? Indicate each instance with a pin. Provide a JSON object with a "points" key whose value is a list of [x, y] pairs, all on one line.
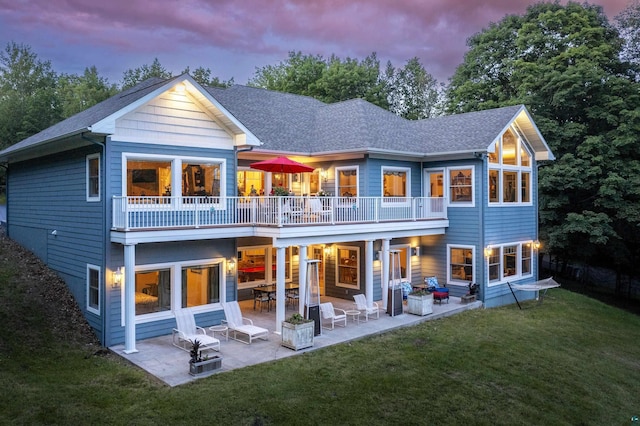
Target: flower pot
{"points": [[297, 336], [205, 366], [420, 305]]}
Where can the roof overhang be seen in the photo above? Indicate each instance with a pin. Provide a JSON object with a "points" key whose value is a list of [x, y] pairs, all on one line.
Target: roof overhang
{"points": [[528, 128]]}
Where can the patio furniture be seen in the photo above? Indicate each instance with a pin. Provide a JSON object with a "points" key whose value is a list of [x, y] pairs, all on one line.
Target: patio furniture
{"points": [[316, 211], [329, 313], [187, 331], [361, 305], [439, 296], [354, 314], [238, 324], [262, 298], [545, 285]]}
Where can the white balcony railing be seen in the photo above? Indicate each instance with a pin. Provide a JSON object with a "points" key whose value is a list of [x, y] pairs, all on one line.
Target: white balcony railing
{"points": [[131, 213]]}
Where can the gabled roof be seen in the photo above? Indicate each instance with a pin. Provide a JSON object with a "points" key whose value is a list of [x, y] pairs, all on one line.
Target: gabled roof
{"points": [[294, 124]]}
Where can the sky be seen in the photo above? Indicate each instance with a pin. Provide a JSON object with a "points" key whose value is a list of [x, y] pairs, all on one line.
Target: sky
{"points": [[235, 37]]}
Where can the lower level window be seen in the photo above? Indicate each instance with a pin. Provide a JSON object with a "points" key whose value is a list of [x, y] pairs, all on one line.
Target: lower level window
{"points": [[348, 267], [461, 264], [93, 289], [510, 261], [200, 285], [153, 291]]}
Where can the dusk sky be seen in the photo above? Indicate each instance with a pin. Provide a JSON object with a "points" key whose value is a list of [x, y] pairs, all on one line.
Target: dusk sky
{"points": [[233, 38]]}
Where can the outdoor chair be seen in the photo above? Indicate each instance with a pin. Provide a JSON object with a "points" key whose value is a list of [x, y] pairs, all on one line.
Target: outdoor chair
{"points": [[361, 305], [316, 212], [238, 324], [187, 331], [329, 312]]}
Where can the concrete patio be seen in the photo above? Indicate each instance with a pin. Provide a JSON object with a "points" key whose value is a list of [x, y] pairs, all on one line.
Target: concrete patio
{"points": [[160, 358]]}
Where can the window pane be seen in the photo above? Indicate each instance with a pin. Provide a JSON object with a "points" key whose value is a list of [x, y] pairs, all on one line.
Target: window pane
{"points": [[153, 291], [395, 183], [525, 187], [148, 178], [510, 184], [348, 183], [250, 183], [200, 285], [509, 148], [461, 264], [251, 265], [348, 268], [494, 157], [94, 289], [94, 177], [509, 256], [494, 186], [494, 265], [200, 179], [525, 158], [460, 185], [526, 259], [435, 181], [280, 179], [287, 263]]}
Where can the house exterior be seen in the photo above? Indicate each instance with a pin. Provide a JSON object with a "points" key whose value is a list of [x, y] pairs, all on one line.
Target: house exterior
{"points": [[146, 203]]}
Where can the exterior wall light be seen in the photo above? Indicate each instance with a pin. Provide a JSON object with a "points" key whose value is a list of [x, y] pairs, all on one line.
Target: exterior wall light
{"points": [[488, 251], [231, 265], [415, 251], [536, 244], [117, 277]]}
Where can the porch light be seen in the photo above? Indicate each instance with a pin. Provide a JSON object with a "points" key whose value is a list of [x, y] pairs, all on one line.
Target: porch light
{"points": [[324, 175], [327, 250], [415, 251], [536, 244], [117, 277], [180, 88], [231, 265], [488, 251]]}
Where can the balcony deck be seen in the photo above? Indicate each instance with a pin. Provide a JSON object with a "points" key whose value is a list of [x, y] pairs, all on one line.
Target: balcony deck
{"points": [[154, 213]]}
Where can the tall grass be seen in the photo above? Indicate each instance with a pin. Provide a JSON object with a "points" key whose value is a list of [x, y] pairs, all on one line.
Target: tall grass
{"points": [[571, 360]]}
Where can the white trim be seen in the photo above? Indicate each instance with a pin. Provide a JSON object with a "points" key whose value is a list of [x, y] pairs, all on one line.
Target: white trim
{"points": [[98, 270], [518, 275], [91, 198], [447, 176], [337, 180], [407, 196], [515, 168]]}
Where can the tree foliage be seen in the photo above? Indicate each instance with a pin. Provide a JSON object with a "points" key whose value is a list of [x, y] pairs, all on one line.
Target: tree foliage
{"points": [[28, 98], [563, 62], [413, 92], [133, 76], [78, 93], [628, 24]]}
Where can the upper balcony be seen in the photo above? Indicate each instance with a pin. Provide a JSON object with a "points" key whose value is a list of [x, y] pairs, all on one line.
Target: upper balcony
{"points": [[157, 213]]}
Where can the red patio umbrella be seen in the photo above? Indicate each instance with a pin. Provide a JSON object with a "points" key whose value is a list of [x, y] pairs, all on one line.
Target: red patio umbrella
{"points": [[281, 165]]}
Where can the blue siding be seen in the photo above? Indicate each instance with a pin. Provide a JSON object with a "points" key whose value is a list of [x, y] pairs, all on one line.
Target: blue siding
{"points": [[50, 194]]}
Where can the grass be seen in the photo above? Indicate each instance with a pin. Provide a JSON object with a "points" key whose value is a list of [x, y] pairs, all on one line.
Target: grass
{"points": [[571, 360]]}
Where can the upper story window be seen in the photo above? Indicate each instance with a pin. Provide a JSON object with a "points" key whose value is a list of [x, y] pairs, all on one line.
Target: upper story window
{"points": [[509, 171], [396, 184], [510, 261], [461, 185], [93, 177], [159, 176], [347, 181]]}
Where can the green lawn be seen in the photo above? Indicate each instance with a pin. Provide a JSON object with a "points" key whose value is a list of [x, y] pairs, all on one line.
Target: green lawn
{"points": [[571, 360]]}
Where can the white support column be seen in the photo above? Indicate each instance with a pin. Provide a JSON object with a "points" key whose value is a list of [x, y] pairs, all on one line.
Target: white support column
{"points": [[385, 272], [368, 272], [130, 299], [302, 275], [280, 278]]}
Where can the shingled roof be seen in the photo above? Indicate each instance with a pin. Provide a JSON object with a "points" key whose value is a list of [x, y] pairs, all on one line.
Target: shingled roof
{"points": [[291, 123]]}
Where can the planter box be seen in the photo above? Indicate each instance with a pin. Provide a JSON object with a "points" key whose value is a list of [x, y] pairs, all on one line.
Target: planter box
{"points": [[206, 366], [297, 336], [420, 305]]}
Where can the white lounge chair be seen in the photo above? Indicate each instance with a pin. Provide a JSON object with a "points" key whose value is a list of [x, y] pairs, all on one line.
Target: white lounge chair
{"points": [[238, 324], [361, 305], [329, 312], [187, 331]]}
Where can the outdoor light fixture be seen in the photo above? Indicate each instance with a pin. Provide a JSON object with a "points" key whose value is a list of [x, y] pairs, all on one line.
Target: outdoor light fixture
{"points": [[117, 277], [180, 88], [415, 251], [324, 174], [536, 244], [231, 265], [488, 251]]}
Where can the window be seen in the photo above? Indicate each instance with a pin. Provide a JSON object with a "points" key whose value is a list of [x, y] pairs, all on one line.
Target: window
{"points": [[461, 264], [287, 263], [258, 265], [509, 171], [396, 182], [347, 181], [510, 261], [153, 291], [250, 183], [200, 285], [461, 186], [348, 271], [159, 176], [93, 289], [93, 177]]}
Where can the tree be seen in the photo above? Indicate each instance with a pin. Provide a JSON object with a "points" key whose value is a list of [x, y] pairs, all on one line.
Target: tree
{"points": [[563, 62], [28, 97], [329, 80], [131, 77], [203, 76], [628, 24], [413, 92], [78, 93]]}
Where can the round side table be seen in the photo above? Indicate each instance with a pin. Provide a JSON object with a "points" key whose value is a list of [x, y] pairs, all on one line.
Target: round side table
{"points": [[222, 329]]}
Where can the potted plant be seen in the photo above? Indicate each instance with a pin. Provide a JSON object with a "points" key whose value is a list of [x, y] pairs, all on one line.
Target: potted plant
{"points": [[199, 364], [297, 332], [420, 302]]}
